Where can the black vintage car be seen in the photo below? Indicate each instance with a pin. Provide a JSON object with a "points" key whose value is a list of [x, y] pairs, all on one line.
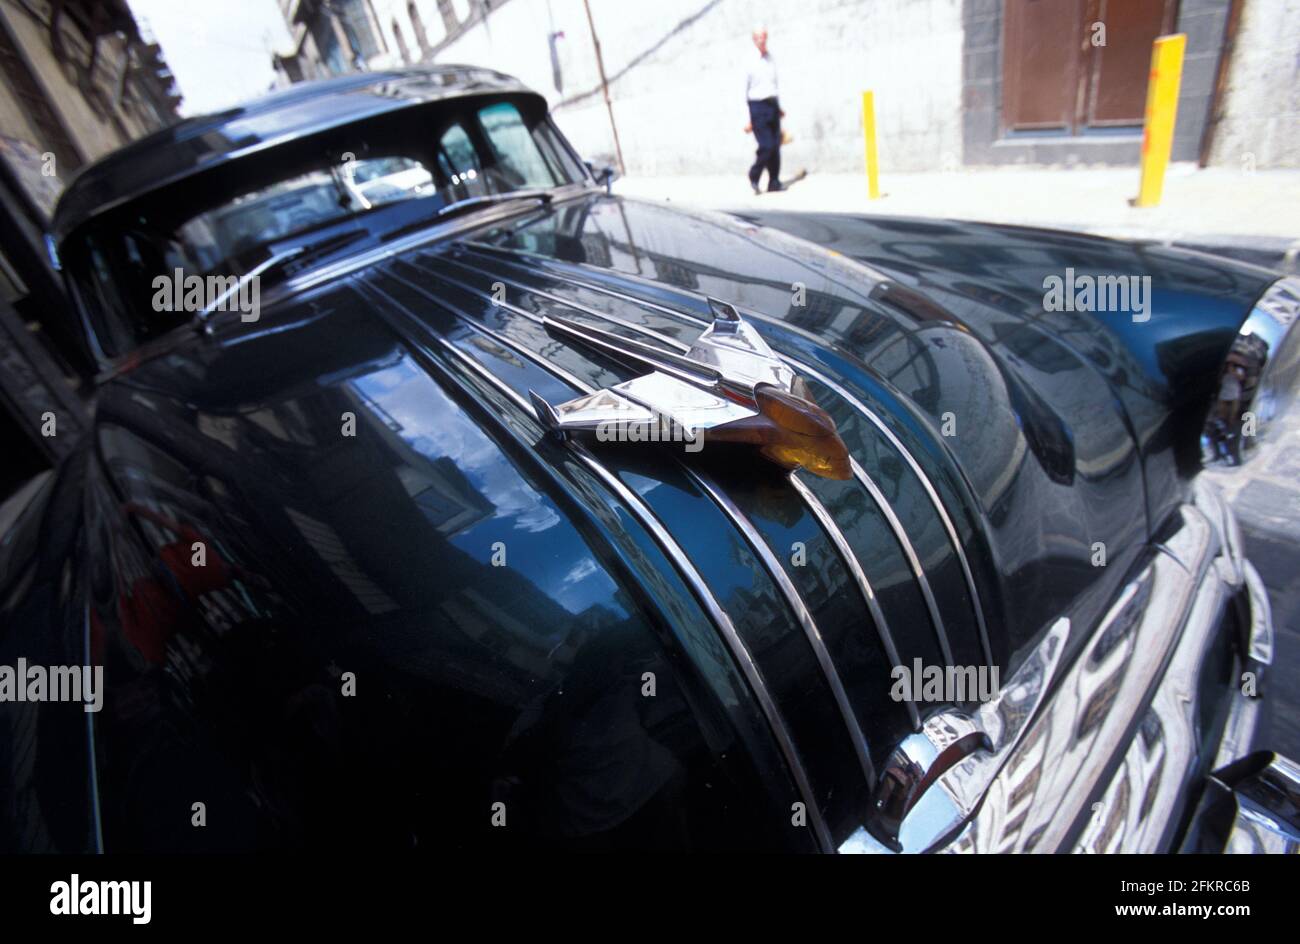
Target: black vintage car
{"points": [[436, 497]]}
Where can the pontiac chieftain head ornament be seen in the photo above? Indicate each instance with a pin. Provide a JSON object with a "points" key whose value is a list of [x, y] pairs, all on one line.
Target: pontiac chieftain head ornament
{"points": [[729, 386]]}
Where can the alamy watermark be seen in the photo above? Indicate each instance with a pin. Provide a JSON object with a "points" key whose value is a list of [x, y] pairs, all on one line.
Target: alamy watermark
{"points": [[25, 682], [195, 293], [661, 428], [944, 683], [1129, 294], [78, 896]]}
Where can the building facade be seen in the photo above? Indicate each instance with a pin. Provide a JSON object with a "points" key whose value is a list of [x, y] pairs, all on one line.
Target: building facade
{"points": [[958, 83], [77, 80], [333, 37]]}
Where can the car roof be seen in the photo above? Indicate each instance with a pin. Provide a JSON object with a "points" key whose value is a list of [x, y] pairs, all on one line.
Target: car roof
{"points": [[198, 143]]}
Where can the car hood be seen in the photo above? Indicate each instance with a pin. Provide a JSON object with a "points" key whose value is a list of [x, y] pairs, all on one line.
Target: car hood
{"points": [[1005, 448], [1057, 439]]}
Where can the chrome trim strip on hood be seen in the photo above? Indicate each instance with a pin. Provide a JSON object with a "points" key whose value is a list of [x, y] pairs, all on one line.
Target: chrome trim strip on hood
{"points": [[853, 401], [728, 507], [656, 528], [476, 325], [513, 255], [569, 303], [930, 492], [860, 578], [859, 473], [909, 552], [802, 614]]}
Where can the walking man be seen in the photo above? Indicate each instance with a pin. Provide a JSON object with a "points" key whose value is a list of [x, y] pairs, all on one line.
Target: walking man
{"points": [[765, 115]]}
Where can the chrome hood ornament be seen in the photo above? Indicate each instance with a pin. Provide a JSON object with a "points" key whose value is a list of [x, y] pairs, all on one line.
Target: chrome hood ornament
{"points": [[728, 387]]}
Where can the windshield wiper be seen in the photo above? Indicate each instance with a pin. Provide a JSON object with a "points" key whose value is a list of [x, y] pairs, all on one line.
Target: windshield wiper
{"points": [[489, 199], [274, 263], [542, 197]]}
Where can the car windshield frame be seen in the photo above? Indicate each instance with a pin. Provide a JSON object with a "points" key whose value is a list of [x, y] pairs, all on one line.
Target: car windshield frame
{"points": [[111, 259]]}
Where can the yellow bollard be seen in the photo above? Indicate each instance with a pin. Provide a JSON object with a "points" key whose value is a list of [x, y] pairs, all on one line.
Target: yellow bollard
{"points": [[1162, 109], [869, 133]]}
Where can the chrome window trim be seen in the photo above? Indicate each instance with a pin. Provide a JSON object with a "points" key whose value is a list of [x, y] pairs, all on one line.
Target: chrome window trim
{"points": [[434, 232], [109, 367], [680, 559], [203, 126]]}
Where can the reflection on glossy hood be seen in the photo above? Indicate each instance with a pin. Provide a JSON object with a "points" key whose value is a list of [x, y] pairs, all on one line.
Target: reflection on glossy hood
{"points": [[368, 451]]}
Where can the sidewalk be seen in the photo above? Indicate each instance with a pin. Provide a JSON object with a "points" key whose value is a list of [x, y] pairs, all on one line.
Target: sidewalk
{"points": [[1253, 216]]}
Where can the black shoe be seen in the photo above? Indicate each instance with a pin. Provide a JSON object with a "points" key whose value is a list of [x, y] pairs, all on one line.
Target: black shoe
{"points": [[774, 188], [757, 192]]}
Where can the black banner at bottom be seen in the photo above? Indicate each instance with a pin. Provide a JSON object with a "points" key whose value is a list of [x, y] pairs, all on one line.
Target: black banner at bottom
{"points": [[138, 893]]}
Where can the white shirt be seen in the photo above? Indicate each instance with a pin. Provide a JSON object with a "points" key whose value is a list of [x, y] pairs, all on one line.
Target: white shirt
{"points": [[760, 80]]}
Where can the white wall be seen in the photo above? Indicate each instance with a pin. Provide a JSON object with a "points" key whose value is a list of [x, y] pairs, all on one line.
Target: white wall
{"points": [[1261, 123], [677, 77]]}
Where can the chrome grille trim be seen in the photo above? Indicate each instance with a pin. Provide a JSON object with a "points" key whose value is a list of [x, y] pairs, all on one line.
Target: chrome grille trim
{"points": [[860, 578], [568, 303], [681, 561], [910, 553], [930, 492], [693, 320], [1044, 788], [501, 339], [791, 593], [746, 527], [741, 522], [744, 658], [854, 402]]}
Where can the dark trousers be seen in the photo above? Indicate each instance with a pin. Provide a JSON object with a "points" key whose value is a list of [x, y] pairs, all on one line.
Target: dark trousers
{"points": [[765, 118]]}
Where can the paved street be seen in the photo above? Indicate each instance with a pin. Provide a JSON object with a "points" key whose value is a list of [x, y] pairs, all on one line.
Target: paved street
{"points": [[1266, 497]]}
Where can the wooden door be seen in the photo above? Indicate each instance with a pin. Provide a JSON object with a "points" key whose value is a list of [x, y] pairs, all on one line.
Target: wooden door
{"points": [[1062, 72]]}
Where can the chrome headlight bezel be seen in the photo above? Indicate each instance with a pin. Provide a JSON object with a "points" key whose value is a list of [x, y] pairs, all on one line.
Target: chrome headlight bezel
{"points": [[1258, 380]]}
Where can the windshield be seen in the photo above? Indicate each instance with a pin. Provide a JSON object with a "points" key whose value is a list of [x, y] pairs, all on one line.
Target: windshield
{"points": [[366, 180]]}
